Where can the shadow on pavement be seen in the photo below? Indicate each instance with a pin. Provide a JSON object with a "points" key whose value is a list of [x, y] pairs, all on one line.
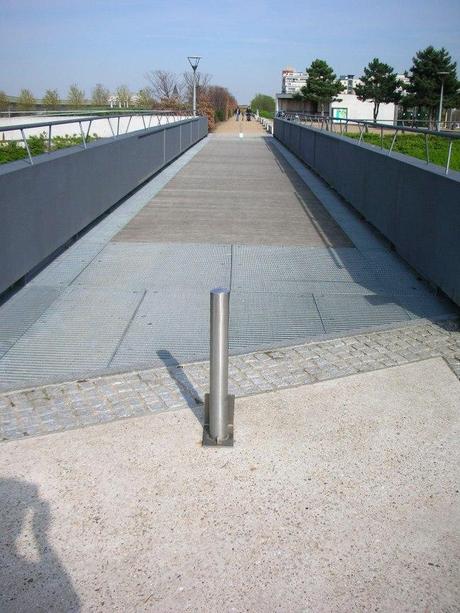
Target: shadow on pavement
{"points": [[184, 385], [32, 578]]}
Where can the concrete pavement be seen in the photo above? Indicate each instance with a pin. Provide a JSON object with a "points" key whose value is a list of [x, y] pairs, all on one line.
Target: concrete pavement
{"points": [[338, 496]]}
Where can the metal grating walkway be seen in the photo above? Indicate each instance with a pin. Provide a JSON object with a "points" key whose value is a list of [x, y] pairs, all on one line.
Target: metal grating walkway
{"points": [[134, 291]]}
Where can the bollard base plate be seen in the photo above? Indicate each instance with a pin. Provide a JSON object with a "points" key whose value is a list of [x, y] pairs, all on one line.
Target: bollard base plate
{"points": [[207, 440]]}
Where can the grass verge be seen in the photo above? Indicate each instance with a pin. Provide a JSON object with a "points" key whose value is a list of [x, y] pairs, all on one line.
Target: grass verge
{"points": [[414, 145]]}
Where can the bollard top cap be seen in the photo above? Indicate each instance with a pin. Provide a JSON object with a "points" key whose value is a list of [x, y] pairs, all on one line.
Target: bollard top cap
{"points": [[220, 290]]}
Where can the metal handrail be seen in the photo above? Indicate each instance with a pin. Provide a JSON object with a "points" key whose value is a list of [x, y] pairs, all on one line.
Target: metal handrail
{"points": [[328, 123], [43, 124], [327, 119], [89, 120]]}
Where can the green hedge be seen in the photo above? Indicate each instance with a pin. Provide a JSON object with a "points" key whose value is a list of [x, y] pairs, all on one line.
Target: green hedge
{"points": [[266, 114], [10, 151]]}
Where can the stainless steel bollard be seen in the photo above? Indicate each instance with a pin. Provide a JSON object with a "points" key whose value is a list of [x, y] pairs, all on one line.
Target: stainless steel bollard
{"points": [[219, 406]]}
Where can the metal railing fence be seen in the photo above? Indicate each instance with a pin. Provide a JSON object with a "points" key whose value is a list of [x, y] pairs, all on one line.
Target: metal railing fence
{"points": [[343, 126], [114, 122]]}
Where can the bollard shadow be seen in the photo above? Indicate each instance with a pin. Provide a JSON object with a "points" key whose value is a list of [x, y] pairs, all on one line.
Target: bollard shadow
{"points": [[32, 578], [184, 385]]}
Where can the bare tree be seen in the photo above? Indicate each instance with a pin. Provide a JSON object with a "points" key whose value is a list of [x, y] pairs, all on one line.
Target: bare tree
{"points": [[100, 95], [163, 84], [76, 96], [202, 82], [26, 99], [51, 98]]}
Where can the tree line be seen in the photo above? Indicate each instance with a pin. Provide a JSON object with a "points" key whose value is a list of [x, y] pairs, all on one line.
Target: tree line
{"points": [[163, 90], [420, 88]]}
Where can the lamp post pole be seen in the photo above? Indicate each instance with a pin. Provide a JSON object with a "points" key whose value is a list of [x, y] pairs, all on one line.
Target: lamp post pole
{"points": [[194, 61], [443, 75]]}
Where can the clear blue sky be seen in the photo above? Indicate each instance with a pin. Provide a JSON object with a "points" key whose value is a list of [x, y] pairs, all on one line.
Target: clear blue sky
{"points": [[53, 43]]}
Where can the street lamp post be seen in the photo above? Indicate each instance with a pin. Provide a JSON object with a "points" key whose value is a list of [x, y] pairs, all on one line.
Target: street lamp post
{"points": [[443, 75], [194, 61]]}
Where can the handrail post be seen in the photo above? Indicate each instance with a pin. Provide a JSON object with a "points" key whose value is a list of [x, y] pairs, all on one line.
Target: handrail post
{"points": [[82, 135], [26, 144], [393, 141], [449, 153], [219, 405]]}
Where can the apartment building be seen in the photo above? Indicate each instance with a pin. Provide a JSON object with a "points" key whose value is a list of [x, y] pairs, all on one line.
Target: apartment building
{"points": [[292, 80]]}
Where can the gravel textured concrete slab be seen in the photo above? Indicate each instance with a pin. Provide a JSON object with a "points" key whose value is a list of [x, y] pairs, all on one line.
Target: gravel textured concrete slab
{"points": [[340, 496]]}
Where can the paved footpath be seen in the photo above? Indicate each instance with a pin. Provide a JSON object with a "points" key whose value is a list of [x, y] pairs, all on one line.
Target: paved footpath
{"points": [[118, 325], [235, 128], [133, 293]]}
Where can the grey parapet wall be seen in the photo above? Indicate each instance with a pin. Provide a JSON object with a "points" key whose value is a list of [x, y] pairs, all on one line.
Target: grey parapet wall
{"points": [[44, 205], [415, 205]]}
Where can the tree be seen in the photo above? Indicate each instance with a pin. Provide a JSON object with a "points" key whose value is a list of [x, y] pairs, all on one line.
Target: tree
{"points": [[4, 103], [203, 80], [145, 99], [100, 95], [220, 99], [263, 103], [322, 85], [380, 84], [26, 99], [51, 98], [205, 108], [76, 96], [424, 87], [124, 95], [162, 84]]}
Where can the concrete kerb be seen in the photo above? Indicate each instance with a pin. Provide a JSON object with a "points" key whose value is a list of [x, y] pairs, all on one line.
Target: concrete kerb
{"points": [[63, 406]]}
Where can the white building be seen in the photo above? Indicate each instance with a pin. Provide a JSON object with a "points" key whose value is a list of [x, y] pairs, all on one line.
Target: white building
{"points": [[347, 107], [115, 102], [292, 81]]}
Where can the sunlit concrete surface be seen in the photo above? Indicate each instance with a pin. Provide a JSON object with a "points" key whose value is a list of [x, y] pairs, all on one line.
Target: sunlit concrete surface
{"points": [[338, 496]]}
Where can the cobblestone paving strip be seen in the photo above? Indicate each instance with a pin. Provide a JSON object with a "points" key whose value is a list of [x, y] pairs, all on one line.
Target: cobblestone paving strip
{"points": [[57, 407]]}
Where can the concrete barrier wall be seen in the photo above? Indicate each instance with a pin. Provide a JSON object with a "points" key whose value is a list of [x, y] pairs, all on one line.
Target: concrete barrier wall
{"points": [[44, 205], [414, 205]]}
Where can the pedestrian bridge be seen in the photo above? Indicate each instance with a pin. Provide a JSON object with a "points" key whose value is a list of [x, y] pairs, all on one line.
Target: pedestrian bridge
{"points": [[236, 210]]}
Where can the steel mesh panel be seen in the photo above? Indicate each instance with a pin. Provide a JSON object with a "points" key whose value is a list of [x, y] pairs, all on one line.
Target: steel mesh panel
{"points": [[343, 313], [77, 334], [159, 265]]}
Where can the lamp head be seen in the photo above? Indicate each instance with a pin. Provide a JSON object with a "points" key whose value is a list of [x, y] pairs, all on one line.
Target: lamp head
{"points": [[194, 61]]}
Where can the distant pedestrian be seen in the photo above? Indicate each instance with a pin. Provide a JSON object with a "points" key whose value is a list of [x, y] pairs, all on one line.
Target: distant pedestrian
{"points": [[237, 113]]}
